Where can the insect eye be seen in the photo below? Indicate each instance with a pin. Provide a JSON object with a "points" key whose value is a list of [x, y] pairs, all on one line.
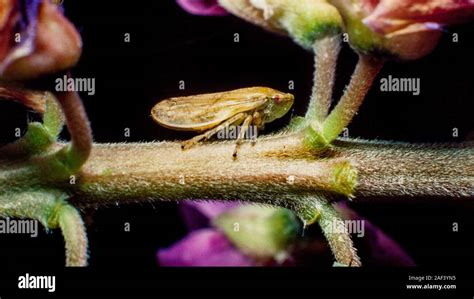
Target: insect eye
{"points": [[277, 99]]}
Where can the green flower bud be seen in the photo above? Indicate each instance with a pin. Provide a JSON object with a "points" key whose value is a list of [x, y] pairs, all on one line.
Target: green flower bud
{"points": [[304, 20], [260, 232]]}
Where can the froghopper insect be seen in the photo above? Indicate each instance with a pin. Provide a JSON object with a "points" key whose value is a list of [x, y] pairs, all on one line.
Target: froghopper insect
{"points": [[213, 112]]}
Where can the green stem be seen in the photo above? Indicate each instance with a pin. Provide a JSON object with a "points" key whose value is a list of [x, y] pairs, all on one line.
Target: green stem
{"points": [[366, 70], [326, 51], [274, 171], [77, 153], [338, 237], [75, 236], [279, 170], [38, 136], [49, 207], [162, 171]]}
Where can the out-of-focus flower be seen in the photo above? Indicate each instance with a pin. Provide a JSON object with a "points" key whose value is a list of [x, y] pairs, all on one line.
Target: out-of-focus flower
{"points": [[18, 21], [35, 40], [405, 16], [241, 8], [404, 29], [199, 214], [202, 7], [304, 20], [236, 234], [232, 234], [205, 248], [260, 232]]}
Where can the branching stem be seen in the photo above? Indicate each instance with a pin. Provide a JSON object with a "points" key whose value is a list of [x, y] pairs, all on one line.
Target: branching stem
{"points": [[79, 129], [274, 171], [364, 75]]}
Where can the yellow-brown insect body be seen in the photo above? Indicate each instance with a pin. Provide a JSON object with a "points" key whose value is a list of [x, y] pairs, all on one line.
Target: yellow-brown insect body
{"points": [[203, 112], [215, 112]]}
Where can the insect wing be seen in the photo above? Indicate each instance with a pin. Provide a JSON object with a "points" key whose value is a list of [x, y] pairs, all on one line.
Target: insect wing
{"points": [[202, 112]]}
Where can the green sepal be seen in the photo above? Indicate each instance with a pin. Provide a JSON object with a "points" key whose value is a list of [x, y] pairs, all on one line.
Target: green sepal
{"points": [[307, 20], [37, 139], [40, 136]]}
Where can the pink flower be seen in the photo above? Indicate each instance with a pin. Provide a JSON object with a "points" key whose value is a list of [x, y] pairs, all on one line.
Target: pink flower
{"points": [[213, 240], [202, 7], [394, 17], [203, 248], [207, 245]]}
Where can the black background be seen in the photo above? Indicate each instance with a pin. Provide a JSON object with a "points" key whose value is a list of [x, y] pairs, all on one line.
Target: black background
{"points": [[168, 45]]}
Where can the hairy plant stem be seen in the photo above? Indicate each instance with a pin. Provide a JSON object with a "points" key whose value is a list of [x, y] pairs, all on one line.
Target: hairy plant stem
{"points": [[277, 170], [122, 173], [326, 51], [76, 154], [338, 237], [366, 70], [75, 236]]}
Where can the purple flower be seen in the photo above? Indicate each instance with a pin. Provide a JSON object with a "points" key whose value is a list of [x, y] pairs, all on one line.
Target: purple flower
{"points": [[199, 214], [202, 7], [203, 248], [265, 238], [232, 234]]}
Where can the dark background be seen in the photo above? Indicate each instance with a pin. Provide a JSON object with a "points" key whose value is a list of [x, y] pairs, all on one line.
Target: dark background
{"points": [[168, 45]]}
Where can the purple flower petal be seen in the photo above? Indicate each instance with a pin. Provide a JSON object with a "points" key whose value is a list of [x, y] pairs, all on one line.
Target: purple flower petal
{"points": [[199, 214], [203, 248], [202, 7]]}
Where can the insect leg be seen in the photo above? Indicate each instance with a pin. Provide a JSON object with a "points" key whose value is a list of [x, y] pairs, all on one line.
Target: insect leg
{"points": [[193, 141], [258, 122], [243, 129]]}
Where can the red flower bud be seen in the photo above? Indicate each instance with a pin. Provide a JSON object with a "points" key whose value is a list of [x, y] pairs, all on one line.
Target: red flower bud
{"points": [[35, 40]]}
